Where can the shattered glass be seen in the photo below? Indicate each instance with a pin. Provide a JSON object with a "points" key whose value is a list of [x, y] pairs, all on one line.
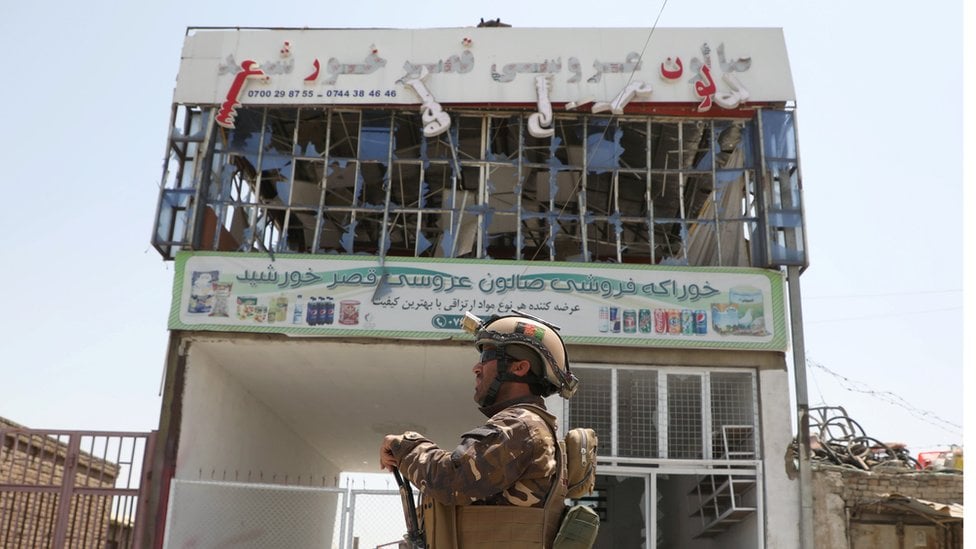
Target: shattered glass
{"points": [[640, 189]]}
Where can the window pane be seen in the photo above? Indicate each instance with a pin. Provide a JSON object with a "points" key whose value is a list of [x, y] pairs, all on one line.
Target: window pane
{"points": [[734, 144], [779, 136], [375, 137], [733, 416], [312, 131], [684, 417], [590, 406], [637, 413]]}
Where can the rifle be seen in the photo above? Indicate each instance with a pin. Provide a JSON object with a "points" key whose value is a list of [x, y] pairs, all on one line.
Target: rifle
{"points": [[414, 535]]}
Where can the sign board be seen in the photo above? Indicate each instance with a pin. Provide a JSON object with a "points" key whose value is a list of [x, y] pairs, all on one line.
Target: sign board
{"points": [[597, 69], [417, 298]]}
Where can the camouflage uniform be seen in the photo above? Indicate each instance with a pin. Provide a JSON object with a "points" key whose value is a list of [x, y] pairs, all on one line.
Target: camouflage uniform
{"points": [[510, 461]]}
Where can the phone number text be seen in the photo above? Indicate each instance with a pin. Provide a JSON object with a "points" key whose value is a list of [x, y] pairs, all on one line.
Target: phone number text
{"points": [[293, 94]]}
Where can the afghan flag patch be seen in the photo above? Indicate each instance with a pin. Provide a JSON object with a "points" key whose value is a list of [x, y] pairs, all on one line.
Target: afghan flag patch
{"points": [[530, 330]]}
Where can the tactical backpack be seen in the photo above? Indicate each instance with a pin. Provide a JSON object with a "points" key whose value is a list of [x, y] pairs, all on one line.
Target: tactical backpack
{"points": [[579, 524], [580, 447]]}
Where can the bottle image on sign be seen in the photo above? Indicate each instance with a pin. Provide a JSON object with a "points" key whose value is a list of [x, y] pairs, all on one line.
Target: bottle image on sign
{"points": [[299, 311], [319, 314], [311, 311], [328, 311], [281, 308], [604, 325]]}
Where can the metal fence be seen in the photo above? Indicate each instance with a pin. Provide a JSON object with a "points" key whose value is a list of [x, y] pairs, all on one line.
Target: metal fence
{"points": [[251, 516], [72, 488]]}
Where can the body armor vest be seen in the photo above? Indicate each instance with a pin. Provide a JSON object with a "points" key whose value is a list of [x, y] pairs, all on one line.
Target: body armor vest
{"points": [[493, 526]]}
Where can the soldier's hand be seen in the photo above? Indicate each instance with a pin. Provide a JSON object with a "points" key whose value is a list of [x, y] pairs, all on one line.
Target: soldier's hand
{"points": [[387, 460]]}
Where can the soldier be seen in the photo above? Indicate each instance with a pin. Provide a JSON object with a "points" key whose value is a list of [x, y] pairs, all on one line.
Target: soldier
{"points": [[504, 485]]}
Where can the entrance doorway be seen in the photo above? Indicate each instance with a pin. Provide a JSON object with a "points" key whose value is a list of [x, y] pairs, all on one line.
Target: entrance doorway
{"points": [[681, 509]]}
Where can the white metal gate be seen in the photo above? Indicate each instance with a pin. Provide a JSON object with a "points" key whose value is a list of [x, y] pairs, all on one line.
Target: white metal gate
{"points": [[246, 515]]}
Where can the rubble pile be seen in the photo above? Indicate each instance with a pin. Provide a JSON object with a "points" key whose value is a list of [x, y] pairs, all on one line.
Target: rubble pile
{"points": [[836, 438]]}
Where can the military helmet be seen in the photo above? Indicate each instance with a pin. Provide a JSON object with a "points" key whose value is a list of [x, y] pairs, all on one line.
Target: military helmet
{"points": [[524, 331]]}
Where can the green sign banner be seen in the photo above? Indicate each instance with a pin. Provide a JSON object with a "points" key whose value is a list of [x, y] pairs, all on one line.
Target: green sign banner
{"points": [[420, 298]]}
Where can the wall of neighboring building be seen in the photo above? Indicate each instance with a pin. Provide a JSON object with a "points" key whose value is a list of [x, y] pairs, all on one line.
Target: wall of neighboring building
{"points": [[838, 491], [38, 460]]}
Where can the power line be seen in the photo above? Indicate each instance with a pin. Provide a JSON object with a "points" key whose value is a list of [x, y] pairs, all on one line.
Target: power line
{"points": [[819, 390], [883, 315], [890, 294], [890, 398]]}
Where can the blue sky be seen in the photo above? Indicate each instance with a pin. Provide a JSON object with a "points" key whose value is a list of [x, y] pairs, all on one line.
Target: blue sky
{"points": [[88, 90]]}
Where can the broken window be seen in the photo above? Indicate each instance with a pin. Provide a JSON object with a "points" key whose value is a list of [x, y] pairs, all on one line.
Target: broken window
{"points": [[623, 189]]}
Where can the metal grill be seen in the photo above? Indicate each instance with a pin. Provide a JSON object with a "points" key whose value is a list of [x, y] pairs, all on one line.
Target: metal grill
{"points": [[733, 415], [637, 409], [214, 514], [684, 416], [341, 180], [70, 488], [636, 405], [590, 406], [375, 519], [259, 516]]}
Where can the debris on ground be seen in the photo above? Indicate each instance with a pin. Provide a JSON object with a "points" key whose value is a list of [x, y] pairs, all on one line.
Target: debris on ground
{"points": [[838, 439]]}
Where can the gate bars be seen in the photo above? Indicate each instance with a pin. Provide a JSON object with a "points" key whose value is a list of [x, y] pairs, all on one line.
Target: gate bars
{"points": [[61, 488]]}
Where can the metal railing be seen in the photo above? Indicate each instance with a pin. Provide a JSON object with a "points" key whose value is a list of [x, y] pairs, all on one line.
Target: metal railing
{"points": [[63, 488]]}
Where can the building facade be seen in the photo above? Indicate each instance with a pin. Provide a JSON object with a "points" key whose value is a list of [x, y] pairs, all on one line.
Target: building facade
{"points": [[336, 200]]}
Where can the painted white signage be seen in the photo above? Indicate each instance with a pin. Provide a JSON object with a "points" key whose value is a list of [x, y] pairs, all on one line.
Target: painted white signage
{"points": [[601, 304], [588, 68]]}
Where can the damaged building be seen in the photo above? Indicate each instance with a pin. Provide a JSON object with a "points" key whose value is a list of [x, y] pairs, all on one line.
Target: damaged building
{"points": [[335, 200], [887, 507], [868, 493]]}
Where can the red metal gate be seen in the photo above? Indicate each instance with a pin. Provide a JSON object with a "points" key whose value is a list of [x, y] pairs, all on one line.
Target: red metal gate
{"points": [[61, 489]]}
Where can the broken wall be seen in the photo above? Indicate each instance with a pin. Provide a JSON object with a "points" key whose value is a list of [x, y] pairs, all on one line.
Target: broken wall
{"points": [[840, 494]]}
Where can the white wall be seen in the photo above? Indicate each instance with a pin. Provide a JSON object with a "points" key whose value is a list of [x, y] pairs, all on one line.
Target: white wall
{"points": [[782, 494], [228, 434]]}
